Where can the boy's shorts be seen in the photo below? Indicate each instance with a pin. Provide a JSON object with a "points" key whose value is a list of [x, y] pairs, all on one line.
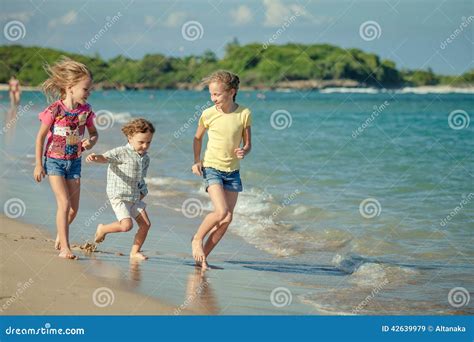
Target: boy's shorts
{"points": [[126, 209], [69, 169], [230, 181]]}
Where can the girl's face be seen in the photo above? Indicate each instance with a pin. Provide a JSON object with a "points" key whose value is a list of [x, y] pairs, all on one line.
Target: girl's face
{"points": [[81, 90], [221, 96], [141, 141]]}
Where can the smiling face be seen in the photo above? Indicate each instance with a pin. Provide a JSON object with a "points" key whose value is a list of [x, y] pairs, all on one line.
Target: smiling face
{"points": [[141, 141], [220, 95], [81, 90]]}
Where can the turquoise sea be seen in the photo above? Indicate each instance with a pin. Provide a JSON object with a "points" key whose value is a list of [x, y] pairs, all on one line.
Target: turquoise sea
{"points": [[353, 203]]}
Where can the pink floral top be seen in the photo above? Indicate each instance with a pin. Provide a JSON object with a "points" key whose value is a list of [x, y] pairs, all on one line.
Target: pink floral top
{"points": [[64, 140]]}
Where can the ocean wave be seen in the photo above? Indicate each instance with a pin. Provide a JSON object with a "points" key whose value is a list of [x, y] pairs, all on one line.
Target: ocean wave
{"points": [[258, 219], [350, 90], [435, 90]]}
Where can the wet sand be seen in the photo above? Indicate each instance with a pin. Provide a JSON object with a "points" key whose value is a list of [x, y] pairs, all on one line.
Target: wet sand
{"points": [[35, 281]]}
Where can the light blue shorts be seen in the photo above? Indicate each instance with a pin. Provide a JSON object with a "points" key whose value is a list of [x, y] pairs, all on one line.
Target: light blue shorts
{"points": [[69, 169], [230, 181]]}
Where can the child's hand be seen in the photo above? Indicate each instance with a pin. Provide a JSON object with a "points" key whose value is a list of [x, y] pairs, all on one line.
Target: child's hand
{"points": [[197, 169], [240, 153], [92, 158], [86, 144], [39, 173]]}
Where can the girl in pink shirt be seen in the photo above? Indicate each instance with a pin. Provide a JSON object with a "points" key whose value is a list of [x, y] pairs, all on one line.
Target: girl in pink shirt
{"points": [[63, 125]]}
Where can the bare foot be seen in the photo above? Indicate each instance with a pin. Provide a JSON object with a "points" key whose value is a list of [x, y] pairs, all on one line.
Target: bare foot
{"points": [[203, 265], [57, 244], [99, 236], [198, 252], [67, 254], [138, 256]]}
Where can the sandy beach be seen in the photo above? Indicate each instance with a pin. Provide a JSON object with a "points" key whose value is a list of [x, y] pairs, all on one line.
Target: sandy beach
{"points": [[36, 282]]}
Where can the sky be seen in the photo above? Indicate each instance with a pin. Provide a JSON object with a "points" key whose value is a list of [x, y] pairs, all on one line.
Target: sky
{"points": [[415, 34]]}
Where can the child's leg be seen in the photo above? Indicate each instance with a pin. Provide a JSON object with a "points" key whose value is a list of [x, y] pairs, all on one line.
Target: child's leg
{"points": [[219, 230], [217, 194], [74, 189], [143, 227], [124, 225], [60, 189]]}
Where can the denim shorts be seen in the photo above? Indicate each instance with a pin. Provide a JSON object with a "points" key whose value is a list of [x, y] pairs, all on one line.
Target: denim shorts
{"points": [[230, 181], [69, 169]]}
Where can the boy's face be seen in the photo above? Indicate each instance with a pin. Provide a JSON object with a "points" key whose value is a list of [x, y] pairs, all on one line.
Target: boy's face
{"points": [[141, 141], [220, 95]]}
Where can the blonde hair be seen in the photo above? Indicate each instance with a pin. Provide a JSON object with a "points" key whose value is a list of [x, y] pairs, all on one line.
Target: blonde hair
{"points": [[63, 74], [230, 80], [138, 126]]}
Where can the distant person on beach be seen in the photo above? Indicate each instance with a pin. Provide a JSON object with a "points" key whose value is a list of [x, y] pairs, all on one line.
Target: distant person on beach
{"points": [[14, 91], [126, 185], [228, 125], [63, 123]]}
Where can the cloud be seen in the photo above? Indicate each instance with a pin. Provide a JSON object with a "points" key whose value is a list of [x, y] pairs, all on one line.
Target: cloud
{"points": [[67, 19], [241, 15], [276, 12], [21, 16], [175, 19]]}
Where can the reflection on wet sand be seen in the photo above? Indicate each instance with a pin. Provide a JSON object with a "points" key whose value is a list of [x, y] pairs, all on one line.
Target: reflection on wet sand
{"points": [[135, 270], [200, 296], [9, 126]]}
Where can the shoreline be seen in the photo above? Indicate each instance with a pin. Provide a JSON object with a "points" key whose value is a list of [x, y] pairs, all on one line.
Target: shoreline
{"points": [[335, 86], [37, 282]]}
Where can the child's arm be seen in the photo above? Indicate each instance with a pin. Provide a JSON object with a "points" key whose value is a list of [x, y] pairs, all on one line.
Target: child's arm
{"points": [[93, 137], [142, 185], [197, 145], [39, 173], [98, 158], [241, 152]]}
